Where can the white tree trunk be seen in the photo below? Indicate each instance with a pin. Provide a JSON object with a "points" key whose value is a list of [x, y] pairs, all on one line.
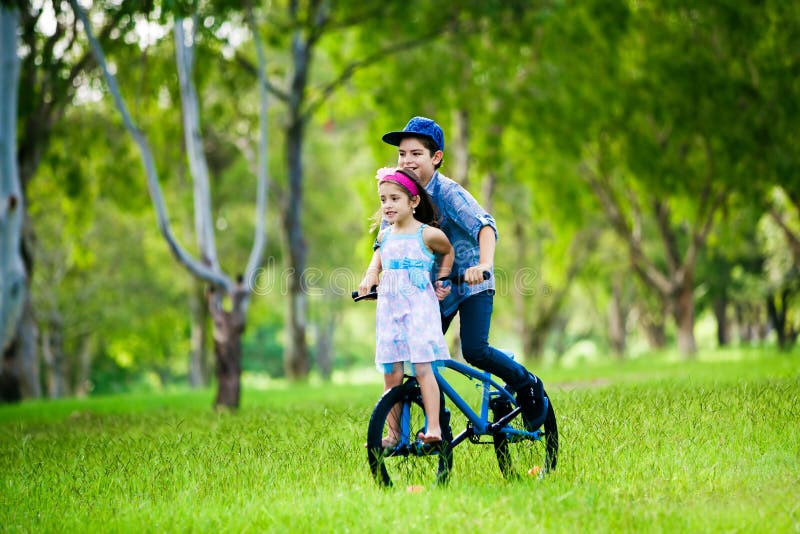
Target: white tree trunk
{"points": [[193, 137], [13, 278]]}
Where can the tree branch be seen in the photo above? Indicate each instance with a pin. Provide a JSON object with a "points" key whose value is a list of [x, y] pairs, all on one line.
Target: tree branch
{"points": [[196, 268], [354, 66], [662, 213], [252, 69], [613, 210], [260, 237], [184, 59], [791, 237]]}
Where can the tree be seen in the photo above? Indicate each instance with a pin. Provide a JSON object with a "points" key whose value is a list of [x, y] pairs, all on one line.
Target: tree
{"points": [[49, 71], [306, 26], [13, 274], [656, 103], [228, 323]]}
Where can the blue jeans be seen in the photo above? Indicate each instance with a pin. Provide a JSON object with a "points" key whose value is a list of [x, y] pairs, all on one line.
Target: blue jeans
{"points": [[476, 317]]}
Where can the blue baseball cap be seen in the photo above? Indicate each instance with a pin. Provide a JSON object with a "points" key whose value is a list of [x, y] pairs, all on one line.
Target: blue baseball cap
{"points": [[417, 126]]}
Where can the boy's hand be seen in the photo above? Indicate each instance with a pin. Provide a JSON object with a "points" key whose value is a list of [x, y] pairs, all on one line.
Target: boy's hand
{"points": [[442, 289], [474, 275]]}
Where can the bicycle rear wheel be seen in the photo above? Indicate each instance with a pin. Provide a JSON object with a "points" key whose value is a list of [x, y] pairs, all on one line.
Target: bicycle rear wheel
{"points": [[518, 456], [400, 413]]}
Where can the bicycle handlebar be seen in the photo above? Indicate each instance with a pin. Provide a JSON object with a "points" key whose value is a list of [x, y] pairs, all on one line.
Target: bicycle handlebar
{"points": [[454, 278]]}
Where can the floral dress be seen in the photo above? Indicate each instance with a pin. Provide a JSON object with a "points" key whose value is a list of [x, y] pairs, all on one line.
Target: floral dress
{"points": [[409, 327]]}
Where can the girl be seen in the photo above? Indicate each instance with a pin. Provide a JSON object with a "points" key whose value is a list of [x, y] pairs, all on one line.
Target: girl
{"points": [[409, 327]]}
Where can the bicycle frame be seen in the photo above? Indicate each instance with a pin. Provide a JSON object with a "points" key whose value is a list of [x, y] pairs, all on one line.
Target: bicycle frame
{"points": [[480, 425]]}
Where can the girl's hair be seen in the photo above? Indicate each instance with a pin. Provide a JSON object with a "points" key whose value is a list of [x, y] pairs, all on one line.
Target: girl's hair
{"points": [[426, 211]]}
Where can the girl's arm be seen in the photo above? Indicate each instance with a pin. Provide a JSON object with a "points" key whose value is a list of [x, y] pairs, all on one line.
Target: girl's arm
{"points": [[372, 276], [438, 242]]}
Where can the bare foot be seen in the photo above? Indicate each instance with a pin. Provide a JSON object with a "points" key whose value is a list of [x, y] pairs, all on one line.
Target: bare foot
{"points": [[389, 441], [429, 437]]}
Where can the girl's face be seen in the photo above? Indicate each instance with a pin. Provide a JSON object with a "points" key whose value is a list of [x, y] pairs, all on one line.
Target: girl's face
{"points": [[396, 205], [412, 155]]}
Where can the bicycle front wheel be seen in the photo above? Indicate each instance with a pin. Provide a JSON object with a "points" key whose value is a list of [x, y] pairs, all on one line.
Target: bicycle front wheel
{"points": [[519, 456], [395, 454]]}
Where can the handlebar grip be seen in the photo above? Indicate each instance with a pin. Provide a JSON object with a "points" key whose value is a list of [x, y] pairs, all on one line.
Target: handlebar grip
{"points": [[372, 295], [459, 278]]}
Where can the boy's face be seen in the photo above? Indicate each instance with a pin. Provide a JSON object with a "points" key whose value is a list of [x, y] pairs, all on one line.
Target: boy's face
{"points": [[412, 155]]}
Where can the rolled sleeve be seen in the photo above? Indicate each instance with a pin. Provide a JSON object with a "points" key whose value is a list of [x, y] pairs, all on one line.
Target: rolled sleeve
{"points": [[469, 215], [484, 220]]}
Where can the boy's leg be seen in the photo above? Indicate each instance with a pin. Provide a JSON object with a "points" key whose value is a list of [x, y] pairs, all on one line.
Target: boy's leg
{"points": [[476, 317], [430, 399], [392, 376]]}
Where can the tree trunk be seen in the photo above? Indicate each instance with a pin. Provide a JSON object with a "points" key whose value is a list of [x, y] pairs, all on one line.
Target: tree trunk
{"points": [[683, 313], [487, 191], [53, 355], [653, 325], [13, 273], [616, 318], [25, 357], [296, 358], [325, 332], [721, 315], [83, 383], [460, 148], [777, 308], [228, 328], [198, 357], [741, 323], [533, 344], [519, 300]]}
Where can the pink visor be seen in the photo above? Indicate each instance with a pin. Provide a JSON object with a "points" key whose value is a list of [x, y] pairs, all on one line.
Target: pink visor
{"points": [[402, 179]]}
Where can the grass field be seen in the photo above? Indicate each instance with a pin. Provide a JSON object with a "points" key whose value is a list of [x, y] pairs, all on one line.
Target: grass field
{"points": [[646, 446]]}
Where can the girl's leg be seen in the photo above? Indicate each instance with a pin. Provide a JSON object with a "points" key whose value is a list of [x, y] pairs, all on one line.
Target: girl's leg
{"points": [[392, 376], [430, 399]]}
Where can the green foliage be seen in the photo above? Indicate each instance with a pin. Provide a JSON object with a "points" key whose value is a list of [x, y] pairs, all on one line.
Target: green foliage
{"points": [[667, 99]]}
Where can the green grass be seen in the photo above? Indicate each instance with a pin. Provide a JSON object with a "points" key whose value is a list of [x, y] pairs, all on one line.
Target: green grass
{"points": [[649, 445]]}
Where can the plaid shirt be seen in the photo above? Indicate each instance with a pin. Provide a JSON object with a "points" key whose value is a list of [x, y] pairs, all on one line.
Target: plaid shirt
{"points": [[461, 220]]}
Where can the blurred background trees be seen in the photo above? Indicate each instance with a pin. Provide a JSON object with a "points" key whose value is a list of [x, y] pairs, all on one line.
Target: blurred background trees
{"points": [[640, 158]]}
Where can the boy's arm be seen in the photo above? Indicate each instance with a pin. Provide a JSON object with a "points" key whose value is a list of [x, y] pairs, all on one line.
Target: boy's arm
{"points": [[487, 242]]}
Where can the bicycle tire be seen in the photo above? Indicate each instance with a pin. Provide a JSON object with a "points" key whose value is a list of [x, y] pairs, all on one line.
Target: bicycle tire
{"points": [[516, 457], [410, 463]]}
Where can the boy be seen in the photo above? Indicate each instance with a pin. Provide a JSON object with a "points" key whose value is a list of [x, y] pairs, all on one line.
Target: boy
{"points": [[473, 234]]}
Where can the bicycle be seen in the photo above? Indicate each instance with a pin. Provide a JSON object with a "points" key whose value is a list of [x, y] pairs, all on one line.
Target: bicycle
{"points": [[516, 447]]}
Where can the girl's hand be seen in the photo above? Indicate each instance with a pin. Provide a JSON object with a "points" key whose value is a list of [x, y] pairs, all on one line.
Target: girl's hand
{"points": [[474, 275], [442, 289], [367, 283]]}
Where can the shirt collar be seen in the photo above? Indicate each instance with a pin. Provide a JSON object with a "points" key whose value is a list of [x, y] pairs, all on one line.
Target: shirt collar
{"points": [[433, 182]]}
